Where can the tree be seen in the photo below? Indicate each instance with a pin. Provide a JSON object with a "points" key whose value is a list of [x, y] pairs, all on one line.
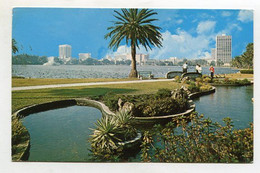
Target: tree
{"points": [[134, 26], [248, 55], [14, 46], [219, 62]]}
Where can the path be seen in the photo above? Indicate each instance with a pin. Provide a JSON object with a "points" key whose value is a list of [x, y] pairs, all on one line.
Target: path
{"points": [[86, 84]]}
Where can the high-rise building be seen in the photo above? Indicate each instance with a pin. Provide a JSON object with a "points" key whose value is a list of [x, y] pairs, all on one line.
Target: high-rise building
{"points": [[65, 52], [84, 56], [213, 54], [224, 48]]}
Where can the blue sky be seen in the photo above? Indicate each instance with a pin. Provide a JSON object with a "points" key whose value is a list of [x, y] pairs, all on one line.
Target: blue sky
{"points": [[187, 33]]}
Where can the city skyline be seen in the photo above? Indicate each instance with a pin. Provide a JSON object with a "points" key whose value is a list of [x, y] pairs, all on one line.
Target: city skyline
{"points": [[186, 33]]}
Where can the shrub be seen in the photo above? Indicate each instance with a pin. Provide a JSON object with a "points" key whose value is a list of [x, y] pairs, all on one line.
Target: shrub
{"points": [[19, 135], [177, 78], [207, 80], [248, 71], [199, 141], [245, 82], [198, 79], [162, 93], [205, 87], [111, 101], [193, 88]]}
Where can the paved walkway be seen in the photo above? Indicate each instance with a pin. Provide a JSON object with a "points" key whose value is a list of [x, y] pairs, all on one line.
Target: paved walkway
{"points": [[86, 84]]}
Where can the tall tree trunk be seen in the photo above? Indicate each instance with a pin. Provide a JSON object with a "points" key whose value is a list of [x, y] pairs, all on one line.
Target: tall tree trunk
{"points": [[133, 73]]}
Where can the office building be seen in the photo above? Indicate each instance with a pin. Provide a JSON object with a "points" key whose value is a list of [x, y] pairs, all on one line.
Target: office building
{"points": [[65, 52], [84, 56], [213, 54], [223, 50]]}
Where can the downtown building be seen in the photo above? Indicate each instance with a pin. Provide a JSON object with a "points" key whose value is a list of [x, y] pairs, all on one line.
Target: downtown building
{"points": [[223, 50], [84, 56], [65, 52]]}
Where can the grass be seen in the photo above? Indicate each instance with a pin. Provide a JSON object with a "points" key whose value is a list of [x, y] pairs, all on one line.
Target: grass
{"points": [[19, 82], [28, 97], [239, 76]]}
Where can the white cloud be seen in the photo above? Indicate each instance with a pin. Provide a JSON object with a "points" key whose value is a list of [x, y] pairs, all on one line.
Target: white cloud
{"points": [[183, 44], [206, 27], [226, 13], [179, 21], [245, 15]]}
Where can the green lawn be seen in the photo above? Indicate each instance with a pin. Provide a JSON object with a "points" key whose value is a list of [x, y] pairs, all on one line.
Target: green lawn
{"points": [[19, 82], [29, 97]]}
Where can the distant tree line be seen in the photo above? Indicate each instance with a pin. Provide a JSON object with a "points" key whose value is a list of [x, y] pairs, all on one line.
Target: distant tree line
{"points": [[246, 59]]}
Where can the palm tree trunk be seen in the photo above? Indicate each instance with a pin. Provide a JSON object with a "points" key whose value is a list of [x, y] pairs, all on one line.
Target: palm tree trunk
{"points": [[133, 73]]}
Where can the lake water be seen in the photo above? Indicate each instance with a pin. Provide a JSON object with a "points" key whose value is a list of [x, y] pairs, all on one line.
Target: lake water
{"points": [[61, 134], [99, 71]]}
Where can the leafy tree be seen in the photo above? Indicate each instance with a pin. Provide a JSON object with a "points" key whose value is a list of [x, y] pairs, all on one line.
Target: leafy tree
{"points": [[219, 62], [213, 63], [134, 26], [248, 55], [14, 46]]}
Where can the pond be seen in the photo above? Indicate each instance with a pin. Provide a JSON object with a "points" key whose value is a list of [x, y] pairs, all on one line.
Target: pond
{"points": [[61, 134], [228, 101]]}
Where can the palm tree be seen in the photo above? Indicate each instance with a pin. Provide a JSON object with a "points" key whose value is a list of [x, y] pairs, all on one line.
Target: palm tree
{"points": [[134, 26], [14, 46]]}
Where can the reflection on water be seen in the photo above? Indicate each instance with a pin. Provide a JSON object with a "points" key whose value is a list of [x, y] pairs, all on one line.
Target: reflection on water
{"points": [[61, 134], [99, 71], [233, 102]]}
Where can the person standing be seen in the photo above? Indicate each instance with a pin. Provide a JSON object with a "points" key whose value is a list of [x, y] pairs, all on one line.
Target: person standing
{"points": [[185, 67], [197, 68], [212, 70]]}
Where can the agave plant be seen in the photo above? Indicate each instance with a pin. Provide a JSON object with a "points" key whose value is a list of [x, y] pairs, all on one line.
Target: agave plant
{"points": [[123, 117], [104, 137]]}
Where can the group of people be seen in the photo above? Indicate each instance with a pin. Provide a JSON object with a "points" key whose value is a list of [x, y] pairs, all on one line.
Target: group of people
{"points": [[198, 69]]}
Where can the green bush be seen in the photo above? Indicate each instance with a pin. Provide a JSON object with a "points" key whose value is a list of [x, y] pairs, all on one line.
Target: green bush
{"points": [[111, 101], [200, 141], [207, 80], [245, 82], [19, 135], [205, 87], [193, 88], [248, 71], [159, 107], [177, 78], [162, 93]]}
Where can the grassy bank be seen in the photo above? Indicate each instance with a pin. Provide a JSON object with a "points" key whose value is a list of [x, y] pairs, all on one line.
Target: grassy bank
{"points": [[28, 97], [239, 76], [19, 82]]}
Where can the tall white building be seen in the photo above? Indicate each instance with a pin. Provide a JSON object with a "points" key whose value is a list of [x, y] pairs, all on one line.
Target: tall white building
{"points": [[213, 54], [84, 56], [65, 52], [224, 48]]}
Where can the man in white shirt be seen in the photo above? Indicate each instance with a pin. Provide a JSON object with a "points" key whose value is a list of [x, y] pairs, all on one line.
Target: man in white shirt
{"points": [[185, 67]]}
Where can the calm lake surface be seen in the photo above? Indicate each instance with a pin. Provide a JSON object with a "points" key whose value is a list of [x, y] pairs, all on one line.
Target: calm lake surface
{"points": [[99, 71], [62, 134], [228, 101]]}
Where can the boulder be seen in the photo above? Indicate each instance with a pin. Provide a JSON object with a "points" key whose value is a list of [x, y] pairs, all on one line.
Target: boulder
{"points": [[128, 106]]}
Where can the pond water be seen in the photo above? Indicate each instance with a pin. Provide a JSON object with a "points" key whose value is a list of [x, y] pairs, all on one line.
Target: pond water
{"points": [[61, 134], [228, 101], [99, 71]]}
